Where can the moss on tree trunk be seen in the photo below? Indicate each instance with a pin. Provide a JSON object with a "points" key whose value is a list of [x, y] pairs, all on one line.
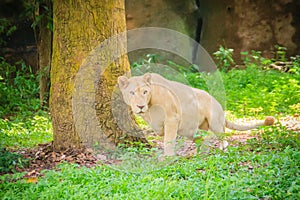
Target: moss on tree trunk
{"points": [[80, 26]]}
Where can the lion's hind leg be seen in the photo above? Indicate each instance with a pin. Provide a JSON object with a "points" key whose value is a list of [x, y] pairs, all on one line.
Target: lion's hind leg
{"points": [[217, 129]]}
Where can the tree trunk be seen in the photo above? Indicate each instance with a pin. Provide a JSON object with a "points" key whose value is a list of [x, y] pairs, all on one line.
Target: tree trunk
{"points": [[44, 45], [79, 27]]}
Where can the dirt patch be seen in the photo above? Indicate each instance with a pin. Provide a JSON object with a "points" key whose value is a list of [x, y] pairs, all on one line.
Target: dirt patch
{"points": [[44, 157]]}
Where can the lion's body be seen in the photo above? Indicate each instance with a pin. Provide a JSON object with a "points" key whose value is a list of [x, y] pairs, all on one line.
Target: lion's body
{"points": [[172, 108]]}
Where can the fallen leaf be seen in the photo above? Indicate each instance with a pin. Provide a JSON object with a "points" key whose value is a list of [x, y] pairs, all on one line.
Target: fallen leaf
{"points": [[32, 180]]}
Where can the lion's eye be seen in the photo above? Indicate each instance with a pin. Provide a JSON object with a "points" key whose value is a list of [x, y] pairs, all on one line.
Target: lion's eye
{"points": [[132, 92], [145, 92]]}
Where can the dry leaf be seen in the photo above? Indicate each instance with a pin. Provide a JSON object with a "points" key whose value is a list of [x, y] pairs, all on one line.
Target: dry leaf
{"points": [[32, 180]]}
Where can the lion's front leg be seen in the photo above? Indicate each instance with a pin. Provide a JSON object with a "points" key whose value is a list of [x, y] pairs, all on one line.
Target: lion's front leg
{"points": [[170, 128]]}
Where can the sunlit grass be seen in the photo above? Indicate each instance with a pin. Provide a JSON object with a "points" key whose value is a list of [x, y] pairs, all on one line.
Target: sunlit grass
{"points": [[27, 132], [235, 174]]}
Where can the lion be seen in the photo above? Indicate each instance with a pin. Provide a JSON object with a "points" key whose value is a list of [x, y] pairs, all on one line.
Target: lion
{"points": [[172, 108]]}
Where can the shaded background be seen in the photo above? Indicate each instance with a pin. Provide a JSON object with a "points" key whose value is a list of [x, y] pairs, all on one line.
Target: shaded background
{"points": [[242, 25]]}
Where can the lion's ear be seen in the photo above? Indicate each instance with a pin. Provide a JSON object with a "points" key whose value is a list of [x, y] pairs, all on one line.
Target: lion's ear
{"points": [[123, 82], [147, 78]]}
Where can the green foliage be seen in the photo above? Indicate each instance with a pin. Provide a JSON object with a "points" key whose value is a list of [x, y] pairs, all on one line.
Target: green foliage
{"points": [[254, 59], [22, 122], [295, 68], [19, 89], [280, 54], [26, 131], [224, 57], [279, 137], [6, 29], [198, 80], [141, 122], [271, 91], [147, 59], [9, 161], [39, 10]]}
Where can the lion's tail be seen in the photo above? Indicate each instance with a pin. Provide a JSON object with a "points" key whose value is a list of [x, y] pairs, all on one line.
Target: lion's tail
{"points": [[267, 122]]}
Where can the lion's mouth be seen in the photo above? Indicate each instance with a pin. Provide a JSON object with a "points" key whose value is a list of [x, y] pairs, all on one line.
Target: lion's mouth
{"points": [[141, 109], [140, 112]]}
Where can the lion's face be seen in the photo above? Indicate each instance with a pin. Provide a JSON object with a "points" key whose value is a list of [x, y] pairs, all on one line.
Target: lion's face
{"points": [[136, 92]]}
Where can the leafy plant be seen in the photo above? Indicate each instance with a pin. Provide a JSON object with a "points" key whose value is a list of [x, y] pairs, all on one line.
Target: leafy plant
{"points": [[19, 89], [6, 29], [39, 10], [255, 58], [10, 160], [291, 65], [295, 68], [224, 57], [280, 53], [245, 57]]}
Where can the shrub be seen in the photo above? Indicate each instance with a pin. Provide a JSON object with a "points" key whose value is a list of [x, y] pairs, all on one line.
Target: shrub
{"points": [[19, 89]]}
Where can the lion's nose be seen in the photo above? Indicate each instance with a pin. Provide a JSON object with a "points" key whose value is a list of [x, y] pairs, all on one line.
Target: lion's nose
{"points": [[141, 107]]}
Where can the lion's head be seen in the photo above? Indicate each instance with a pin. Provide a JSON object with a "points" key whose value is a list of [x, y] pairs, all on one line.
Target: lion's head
{"points": [[136, 92]]}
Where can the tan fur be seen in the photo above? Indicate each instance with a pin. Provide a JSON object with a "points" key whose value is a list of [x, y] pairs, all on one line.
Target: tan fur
{"points": [[172, 108]]}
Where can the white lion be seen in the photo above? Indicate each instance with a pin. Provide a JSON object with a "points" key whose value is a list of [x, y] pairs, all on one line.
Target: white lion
{"points": [[172, 108]]}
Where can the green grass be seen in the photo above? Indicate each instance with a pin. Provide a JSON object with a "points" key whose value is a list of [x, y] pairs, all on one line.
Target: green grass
{"points": [[260, 169], [253, 91], [235, 174], [26, 132]]}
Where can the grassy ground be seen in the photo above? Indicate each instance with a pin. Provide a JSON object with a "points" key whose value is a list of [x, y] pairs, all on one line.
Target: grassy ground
{"points": [[265, 167], [236, 174]]}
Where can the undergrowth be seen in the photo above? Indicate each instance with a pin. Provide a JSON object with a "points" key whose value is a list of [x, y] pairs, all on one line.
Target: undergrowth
{"points": [[235, 174], [252, 92], [23, 123], [19, 90], [265, 167], [28, 132], [10, 160]]}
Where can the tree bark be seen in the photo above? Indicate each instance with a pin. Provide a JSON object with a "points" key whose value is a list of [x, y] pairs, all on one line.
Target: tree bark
{"points": [[44, 45], [80, 26]]}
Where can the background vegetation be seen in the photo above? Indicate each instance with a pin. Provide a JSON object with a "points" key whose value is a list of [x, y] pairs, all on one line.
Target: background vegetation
{"points": [[264, 167]]}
